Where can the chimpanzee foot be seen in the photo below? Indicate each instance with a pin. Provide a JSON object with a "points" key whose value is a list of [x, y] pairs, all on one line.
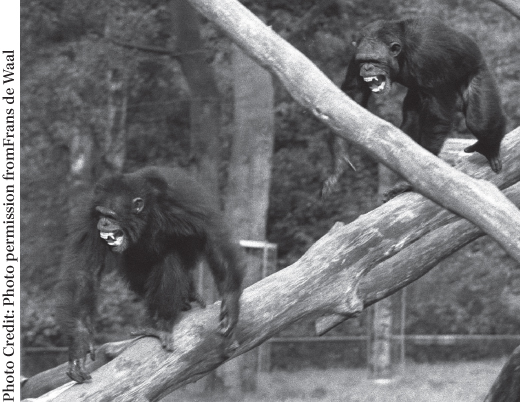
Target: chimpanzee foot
{"points": [[496, 164], [492, 157], [230, 342], [230, 346], [166, 337], [227, 330], [77, 371], [229, 310], [471, 148]]}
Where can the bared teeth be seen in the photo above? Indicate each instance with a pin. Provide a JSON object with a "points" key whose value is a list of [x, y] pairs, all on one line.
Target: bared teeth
{"points": [[380, 87], [369, 79], [106, 235], [112, 238]]}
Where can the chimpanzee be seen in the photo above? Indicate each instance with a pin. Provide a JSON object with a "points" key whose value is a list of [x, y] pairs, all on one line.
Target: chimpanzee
{"points": [[154, 225], [443, 70]]}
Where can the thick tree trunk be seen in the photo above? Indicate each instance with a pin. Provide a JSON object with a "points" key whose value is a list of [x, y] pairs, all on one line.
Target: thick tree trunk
{"points": [[506, 387], [82, 150], [205, 97], [476, 200], [114, 139], [205, 119], [380, 341], [350, 268], [249, 180]]}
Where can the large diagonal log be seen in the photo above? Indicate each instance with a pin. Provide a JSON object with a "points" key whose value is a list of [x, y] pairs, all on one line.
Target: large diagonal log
{"points": [[349, 268], [478, 201]]}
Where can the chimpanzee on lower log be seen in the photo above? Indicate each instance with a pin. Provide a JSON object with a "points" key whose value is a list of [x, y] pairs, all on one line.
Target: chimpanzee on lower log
{"points": [[443, 70], [154, 225]]}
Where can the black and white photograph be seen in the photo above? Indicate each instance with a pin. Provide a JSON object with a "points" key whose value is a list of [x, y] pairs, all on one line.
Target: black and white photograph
{"points": [[271, 200]]}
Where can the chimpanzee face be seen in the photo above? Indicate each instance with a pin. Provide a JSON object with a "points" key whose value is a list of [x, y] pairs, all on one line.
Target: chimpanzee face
{"points": [[117, 211], [376, 54]]}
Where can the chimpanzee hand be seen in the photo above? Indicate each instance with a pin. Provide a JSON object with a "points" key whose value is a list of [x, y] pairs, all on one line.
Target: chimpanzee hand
{"points": [[229, 311], [82, 344], [492, 155]]}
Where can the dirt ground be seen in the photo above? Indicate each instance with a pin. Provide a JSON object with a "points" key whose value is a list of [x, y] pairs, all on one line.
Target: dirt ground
{"points": [[443, 382]]}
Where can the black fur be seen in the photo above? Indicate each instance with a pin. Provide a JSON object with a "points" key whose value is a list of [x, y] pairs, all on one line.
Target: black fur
{"points": [[443, 69], [169, 223]]}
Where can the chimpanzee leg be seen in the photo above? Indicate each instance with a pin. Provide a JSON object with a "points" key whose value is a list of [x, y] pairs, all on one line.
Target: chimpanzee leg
{"points": [[428, 121], [359, 92], [226, 265], [484, 117], [436, 121], [412, 106], [168, 291]]}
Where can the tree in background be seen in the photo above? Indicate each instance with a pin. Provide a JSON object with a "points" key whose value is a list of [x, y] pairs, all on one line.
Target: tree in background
{"points": [[65, 95]]}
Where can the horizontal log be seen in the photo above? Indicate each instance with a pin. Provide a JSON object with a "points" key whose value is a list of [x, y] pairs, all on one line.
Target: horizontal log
{"points": [[348, 269], [476, 200]]}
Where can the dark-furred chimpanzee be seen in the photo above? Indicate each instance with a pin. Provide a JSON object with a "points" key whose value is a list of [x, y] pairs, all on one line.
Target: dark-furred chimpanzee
{"points": [[443, 70], [154, 225]]}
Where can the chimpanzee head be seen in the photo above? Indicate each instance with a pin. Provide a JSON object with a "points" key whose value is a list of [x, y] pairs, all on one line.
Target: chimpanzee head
{"points": [[121, 205], [377, 52]]}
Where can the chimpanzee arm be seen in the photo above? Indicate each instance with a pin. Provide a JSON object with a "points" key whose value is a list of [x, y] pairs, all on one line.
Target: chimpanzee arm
{"points": [[484, 117], [169, 290], [82, 265], [353, 86]]}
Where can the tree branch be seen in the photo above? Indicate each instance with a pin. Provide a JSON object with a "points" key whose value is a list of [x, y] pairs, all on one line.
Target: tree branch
{"points": [[477, 201], [510, 5], [48, 380], [348, 269], [506, 387], [305, 20], [152, 49]]}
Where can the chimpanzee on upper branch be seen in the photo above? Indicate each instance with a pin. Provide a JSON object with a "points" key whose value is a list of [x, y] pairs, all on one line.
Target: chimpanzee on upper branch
{"points": [[154, 225], [443, 70]]}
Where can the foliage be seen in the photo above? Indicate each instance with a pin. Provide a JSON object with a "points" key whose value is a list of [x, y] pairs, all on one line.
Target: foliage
{"points": [[119, 312], [67, 51], [474, 305]]}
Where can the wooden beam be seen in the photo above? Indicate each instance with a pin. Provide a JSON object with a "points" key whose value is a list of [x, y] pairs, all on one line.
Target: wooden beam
{"points": [[476, 200]]}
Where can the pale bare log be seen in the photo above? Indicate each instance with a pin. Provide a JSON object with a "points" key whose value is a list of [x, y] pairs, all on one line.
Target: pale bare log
{"points": [[349, 268], [506, 387], [48, 380], [430, 176]]}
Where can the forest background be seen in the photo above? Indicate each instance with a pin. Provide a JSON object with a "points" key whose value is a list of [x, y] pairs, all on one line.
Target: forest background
{"points": [[66, 54]]}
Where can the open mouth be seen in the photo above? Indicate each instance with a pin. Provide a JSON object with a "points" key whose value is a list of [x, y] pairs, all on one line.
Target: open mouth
{"points": [[376, 83], [113, 239]]}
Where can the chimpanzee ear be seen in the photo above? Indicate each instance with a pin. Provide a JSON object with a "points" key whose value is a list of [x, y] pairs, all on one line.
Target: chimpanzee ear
{"points": [[137, 205], [395, 48]]}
